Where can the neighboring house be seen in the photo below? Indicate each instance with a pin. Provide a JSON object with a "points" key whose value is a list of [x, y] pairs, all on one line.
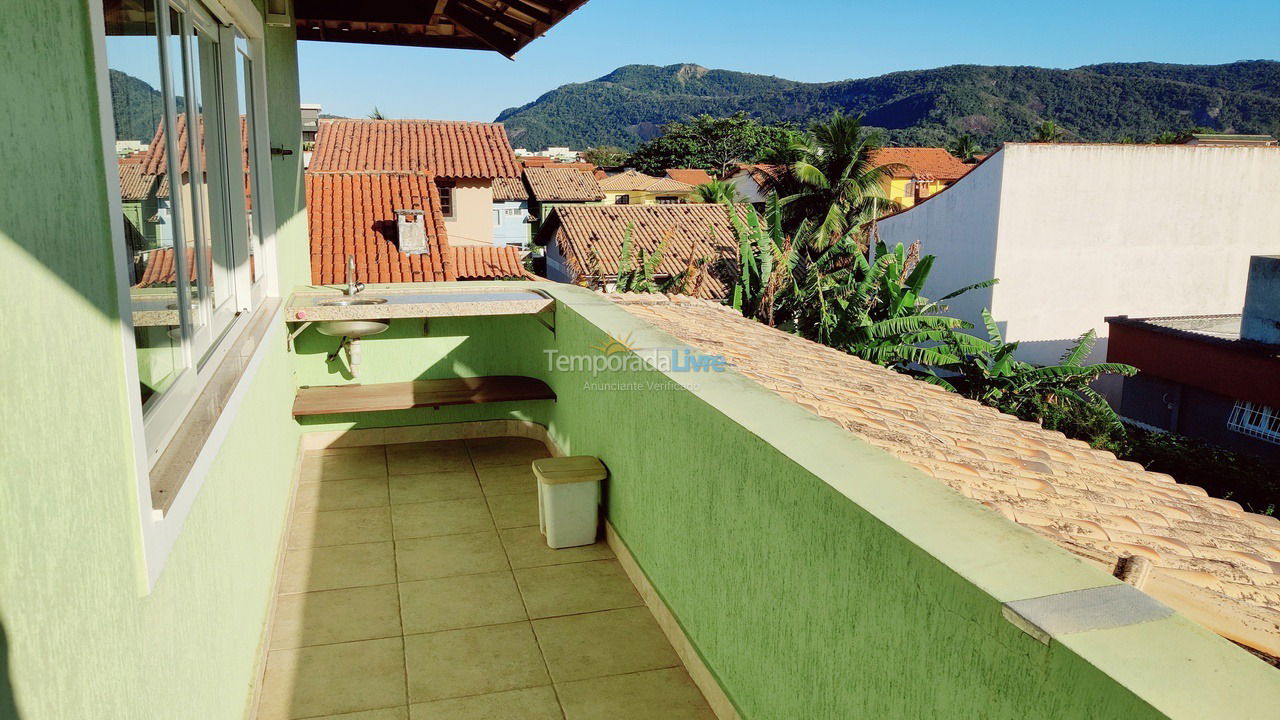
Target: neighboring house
{"points": [[632, 187], [584, 243], [1079, 232], [1213, 377], [918, 173], [371, 214], [140, 205], [550, 187], [751, 180], [511, 219], [690, 176], [464, 157]]}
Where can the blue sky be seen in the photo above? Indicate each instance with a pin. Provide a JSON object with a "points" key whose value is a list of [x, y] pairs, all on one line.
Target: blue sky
{"points": [[811, 40]]}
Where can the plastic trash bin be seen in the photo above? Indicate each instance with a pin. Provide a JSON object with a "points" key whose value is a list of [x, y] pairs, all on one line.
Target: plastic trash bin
{"points": [[568, 498]]}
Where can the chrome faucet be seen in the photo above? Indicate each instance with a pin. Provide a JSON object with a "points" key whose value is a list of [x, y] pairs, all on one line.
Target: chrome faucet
{"points": [[353, 286]]}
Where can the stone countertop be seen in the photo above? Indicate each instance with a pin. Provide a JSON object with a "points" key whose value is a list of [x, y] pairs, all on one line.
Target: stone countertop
{"points": [[417, 301]]}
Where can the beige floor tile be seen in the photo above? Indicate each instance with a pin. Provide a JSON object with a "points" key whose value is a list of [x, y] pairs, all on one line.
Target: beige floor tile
{"points": [[416, 458], [611, 642], [449, 517], [397, 713], [507, 479], [448, 555], [335, 616], [342, 566], [491, 452], [340, 527], [475, 661], [434, 487], [341, 494], [460, 602], [512, 511], [655, 695], [527, 547], [344, 464], [575, 588], [331, 679], [527, 704]]}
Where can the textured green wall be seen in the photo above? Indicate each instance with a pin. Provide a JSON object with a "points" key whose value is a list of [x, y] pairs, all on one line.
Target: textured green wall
{"points": [[81, 638]]}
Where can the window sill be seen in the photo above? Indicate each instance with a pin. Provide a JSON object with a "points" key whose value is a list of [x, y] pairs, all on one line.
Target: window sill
{"points": [[179, 457]]}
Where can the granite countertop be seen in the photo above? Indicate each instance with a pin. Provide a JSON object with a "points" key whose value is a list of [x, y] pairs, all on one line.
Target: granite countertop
{"points": [[415, 302]]}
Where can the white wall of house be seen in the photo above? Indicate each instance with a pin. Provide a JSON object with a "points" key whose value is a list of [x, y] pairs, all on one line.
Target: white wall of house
{"points": [[471, 222], [510, 223], [1076, 233], [557, 269], [748, 187]]}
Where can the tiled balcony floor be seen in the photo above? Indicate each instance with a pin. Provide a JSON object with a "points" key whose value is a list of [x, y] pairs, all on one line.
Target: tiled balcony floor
{"points": [[416, 586]]}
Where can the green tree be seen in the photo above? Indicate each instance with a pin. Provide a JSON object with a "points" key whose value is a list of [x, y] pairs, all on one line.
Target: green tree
{"points": [[988, 371], [965, 147], [605, 156], [719, 191], [1048, 132], [376, 114], [835, 183], [713, 144]]}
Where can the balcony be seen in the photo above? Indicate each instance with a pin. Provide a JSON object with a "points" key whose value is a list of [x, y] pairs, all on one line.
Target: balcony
{"points": [[416, 582]]}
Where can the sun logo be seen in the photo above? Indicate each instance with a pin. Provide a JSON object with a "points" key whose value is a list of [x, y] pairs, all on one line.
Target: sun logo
{"points": [[615, 345]]}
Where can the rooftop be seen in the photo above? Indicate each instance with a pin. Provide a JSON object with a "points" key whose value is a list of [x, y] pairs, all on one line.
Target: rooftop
{"points": [[636, 181], [922, 163], [590, 237], [690, 176], [353, 213], [1211, 560], [449, 150], [554, 184]]}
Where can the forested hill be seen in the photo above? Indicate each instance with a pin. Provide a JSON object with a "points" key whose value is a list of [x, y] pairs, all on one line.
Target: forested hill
{"points": [[1107, 102]]}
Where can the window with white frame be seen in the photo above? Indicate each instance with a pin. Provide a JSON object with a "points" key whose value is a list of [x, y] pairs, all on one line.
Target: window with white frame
{"points": [[182, 84], [1255, 420]]}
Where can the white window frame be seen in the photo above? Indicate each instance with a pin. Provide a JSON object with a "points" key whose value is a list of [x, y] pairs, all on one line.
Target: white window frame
{"points": [[1243, 417], [160, 530]]}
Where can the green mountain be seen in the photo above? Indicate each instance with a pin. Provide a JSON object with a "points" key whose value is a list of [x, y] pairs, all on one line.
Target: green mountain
{"points": [[137, 107], [919, 107]]}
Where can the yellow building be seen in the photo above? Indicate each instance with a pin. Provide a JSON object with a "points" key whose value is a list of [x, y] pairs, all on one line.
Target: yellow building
{"points": [[631, 187], [919, 172]]}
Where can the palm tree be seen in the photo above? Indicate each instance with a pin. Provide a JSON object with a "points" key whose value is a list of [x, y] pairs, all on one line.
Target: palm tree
{"points": [[719, 191], [1049, 132], [965, 147], [377, 114], [836, 183]]}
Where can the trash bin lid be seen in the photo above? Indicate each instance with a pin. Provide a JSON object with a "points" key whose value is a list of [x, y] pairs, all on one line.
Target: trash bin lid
{"points": [[572, 469]]}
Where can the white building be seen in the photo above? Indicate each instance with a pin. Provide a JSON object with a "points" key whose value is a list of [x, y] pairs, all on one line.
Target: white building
{"points": [[1079, 232]]}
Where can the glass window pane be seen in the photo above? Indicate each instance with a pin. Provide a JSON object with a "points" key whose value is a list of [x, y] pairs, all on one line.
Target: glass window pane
{"points": [[133, 56], [176, 146], [244, 97]]}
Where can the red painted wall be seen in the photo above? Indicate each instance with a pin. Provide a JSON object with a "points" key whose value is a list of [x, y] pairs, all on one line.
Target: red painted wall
{"points": [[1236, 373]]}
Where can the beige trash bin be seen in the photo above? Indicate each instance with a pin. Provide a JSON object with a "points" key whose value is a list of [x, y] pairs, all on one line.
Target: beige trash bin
{"points": [[568, 498]]}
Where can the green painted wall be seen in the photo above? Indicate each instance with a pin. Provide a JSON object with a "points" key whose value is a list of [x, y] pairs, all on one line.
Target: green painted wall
{"points": [[80, 637]]}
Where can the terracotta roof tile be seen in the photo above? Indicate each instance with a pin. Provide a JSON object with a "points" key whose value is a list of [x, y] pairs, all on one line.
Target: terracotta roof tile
{"points": [[562, 185], [689, 176], [507, 189], [587, 234], [160, 271], [530, 161], [449, 150], [354, 214], [634, 180], [922, 163], [134, 183], [1214, 562], [156, 159]]}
